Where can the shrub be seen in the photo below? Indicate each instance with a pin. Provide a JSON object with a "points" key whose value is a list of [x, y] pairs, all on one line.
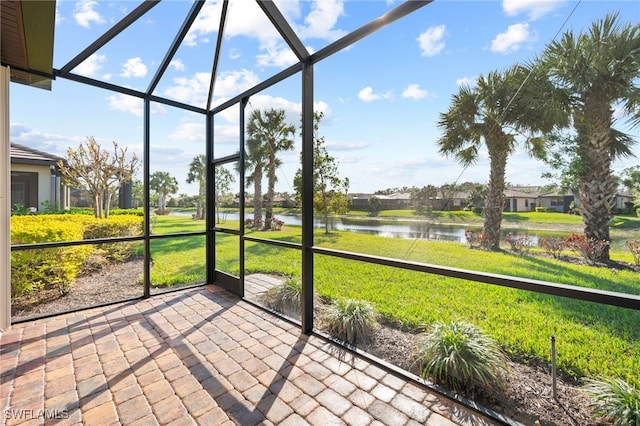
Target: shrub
{"points": [[552, 245], [634, 246], [350, 320], [475, 238], [285, 297], [615, 400], [276, 224], [590, 249], [114, 226], [49, 268], [541, 209], [461, 357], [56, 268], [250, 223], [519, 243]]}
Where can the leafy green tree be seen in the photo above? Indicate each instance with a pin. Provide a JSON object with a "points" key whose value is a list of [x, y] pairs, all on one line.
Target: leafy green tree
{"points": [[137, 193], [100, 171], [374, 205], [223, 180], [630, 178], [562, 154], [497, 113], [447, 192], [422, 199], [592, 72], [273, 134], [198, 173], [477, 195], [163, 184], [329, 190]]}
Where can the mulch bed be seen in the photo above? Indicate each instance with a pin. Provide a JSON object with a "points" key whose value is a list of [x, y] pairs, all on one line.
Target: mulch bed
{"points": [[527, 397]]}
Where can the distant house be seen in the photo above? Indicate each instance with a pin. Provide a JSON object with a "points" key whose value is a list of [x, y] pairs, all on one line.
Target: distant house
{"points": [[36, 179], [397, 201], [517, 200], [456, 200], [621, 200], [556, 202]]}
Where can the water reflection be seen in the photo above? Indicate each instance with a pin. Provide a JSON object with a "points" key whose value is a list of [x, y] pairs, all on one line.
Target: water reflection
{"points": [[383, 228]]}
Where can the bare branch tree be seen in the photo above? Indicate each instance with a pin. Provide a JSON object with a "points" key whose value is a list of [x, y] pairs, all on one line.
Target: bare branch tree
{"points": [[100, 171]]}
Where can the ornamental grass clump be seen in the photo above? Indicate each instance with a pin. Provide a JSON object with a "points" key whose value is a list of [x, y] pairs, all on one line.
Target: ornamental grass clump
{"points": [[461, 357], [285, 297], [614, 400], [349, 320]]}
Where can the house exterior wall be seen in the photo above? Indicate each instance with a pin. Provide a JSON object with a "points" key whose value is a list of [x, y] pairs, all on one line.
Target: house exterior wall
{"points": [[521, 204], [44, 181]]}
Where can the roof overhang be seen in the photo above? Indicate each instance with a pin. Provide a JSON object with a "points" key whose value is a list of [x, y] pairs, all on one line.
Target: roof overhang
{"points": [[27, 33]]}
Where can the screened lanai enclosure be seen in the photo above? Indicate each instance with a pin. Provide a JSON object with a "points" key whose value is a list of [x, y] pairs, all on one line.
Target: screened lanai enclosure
{"points": [[222, 132]]}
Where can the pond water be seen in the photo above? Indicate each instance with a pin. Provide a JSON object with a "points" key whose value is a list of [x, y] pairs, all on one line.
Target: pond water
{"points": [[386, 228]]}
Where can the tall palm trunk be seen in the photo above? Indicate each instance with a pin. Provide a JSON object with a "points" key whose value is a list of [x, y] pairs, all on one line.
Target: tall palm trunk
{"points": [[257, 198], [494, 203], [597, 185], [271, 183]]}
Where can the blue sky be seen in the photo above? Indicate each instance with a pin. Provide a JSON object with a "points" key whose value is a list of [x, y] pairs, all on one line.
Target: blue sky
{"points": [[381, 97]]}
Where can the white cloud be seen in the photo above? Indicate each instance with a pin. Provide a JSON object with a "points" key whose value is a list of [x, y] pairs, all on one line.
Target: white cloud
{"points": [[244, 17], [512, 39], [289, 8], [132, 105], [346, 146], [195, 89], [207, 22], [48, 142], [413, 91], [91, 65], [59, 17], [534, 8], [367, 95], [320, 22], [277, 55], [231, 83], [189, 131], [431, 42], [134, 68], [85, 15], [468, 81], [323, 107], [263, 102], [177, 64]]}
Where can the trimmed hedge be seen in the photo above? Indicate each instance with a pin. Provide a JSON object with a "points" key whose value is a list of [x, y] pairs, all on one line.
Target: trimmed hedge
{"points": [[56, 268]]}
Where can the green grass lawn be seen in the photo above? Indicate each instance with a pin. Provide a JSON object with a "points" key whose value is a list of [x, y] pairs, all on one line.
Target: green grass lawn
{"points": [[591, 339]]}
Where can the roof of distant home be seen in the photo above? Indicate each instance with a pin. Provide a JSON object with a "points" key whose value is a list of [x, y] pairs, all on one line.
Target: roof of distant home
{"points": [[24, 155]]}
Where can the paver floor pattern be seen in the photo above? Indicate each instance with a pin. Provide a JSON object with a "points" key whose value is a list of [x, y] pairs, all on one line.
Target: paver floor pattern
{"points": [[198, 356]]}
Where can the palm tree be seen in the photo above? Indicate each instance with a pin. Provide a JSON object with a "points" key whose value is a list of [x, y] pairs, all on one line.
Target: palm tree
{"points": [[498, 111], [198, 173], [273, 135], [164, 184], [595, 71], [254, 164]]}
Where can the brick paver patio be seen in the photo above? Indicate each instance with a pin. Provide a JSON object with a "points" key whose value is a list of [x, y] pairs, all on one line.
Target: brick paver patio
{"points": [[198, 356]]}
